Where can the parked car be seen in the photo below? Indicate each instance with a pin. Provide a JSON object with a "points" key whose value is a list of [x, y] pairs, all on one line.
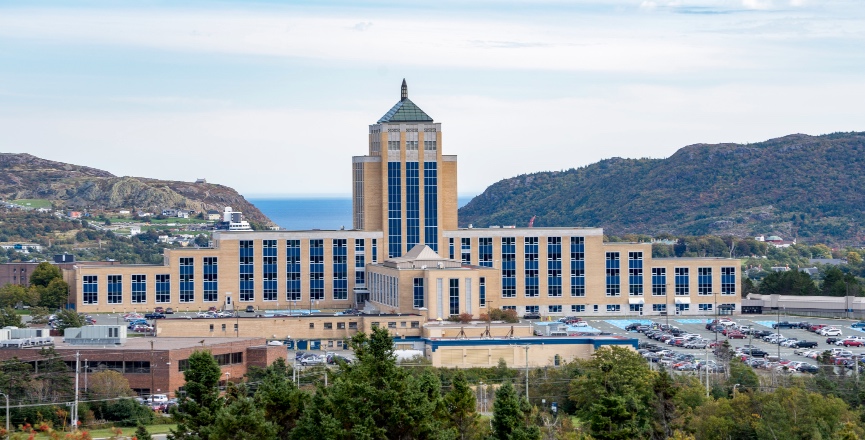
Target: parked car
{"points": [[336, 358], [250, 309], [785, 324], [154, 315], [532, 315], [169, 311], [860, 324], [808, 368], [830, 331], [315, 359], [805, 344], [135, 322], [852, 342], [736, 335], [159, 310], [832, 341]]}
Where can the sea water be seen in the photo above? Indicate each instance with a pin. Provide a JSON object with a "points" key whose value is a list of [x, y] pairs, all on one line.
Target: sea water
{"points": [[305, 213]]}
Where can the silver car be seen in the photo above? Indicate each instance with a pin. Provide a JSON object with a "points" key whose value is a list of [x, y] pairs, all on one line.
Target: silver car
{"points": [[315, 359]]}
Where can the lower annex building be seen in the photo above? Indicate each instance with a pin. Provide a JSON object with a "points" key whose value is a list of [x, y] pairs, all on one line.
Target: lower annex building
{"points": [[406, 255]]}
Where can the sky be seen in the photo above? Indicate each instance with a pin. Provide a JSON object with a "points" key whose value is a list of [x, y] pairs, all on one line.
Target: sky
{"points": [[273, 98]]}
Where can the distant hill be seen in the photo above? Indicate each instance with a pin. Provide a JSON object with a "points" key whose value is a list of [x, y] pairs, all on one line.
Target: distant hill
{"points": [[808, 187], [23, 176]]}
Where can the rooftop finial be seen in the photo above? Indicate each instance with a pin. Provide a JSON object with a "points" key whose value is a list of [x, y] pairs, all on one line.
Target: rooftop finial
{"points": [[403, 95]]}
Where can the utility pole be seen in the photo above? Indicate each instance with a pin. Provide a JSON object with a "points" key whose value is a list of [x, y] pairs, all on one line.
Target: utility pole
{"points": [[527, 372], [75, 405]]}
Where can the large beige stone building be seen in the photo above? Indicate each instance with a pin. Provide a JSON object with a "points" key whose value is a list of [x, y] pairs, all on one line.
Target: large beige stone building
{"points": [[406, 255]]}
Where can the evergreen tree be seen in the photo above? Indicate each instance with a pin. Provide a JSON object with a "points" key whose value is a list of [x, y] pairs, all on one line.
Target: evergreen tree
{"points": [[141, 433], [509, 416], [200, 401], [461, 407], [280, 399], [241, 420]]}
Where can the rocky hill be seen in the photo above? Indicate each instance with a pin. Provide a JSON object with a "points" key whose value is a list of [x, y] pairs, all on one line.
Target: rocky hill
{"points": [[23, 176], [797, 186]]}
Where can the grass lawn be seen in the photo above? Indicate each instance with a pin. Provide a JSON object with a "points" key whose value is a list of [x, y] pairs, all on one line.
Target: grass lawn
{"points": [[108, 432], [33, 203]]}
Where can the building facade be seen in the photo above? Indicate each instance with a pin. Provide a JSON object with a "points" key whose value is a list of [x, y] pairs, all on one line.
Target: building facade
{"points": [[407, 255]]}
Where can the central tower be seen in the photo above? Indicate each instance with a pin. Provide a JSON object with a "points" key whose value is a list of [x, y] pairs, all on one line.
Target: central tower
{"points": [[404, 186]]}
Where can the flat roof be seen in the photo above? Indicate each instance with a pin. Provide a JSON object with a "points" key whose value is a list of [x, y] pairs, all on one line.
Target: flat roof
{"points": [[159, 344]]}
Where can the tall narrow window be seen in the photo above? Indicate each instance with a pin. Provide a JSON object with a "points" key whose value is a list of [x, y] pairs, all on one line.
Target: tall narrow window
{"points": [[485, 252], [635, 273], [509, 267], [613, 277], [340, 269], [728, 281], [578, 266], [466, 250], [430, 191], [247, 282], [482, 292], [530, 256], [412, 204], [554, 266], [115, 289], [211, 279], [187, 282], [454, 284], [394, 209], [659, 281], [163, 288], [90, 286], [316, 269], [451, 246], [359, 262], [682, 280], [292, 270], [704, 281], [268, 269], [418, 293], [374, 251], [139, 289]]}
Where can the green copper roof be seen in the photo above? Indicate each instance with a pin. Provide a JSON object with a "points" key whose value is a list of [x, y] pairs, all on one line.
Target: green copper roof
{"points": [[405, 111]]}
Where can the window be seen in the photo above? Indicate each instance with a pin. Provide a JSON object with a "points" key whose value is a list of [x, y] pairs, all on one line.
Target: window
{"points": [[328, 326], [636, 308], [90, 287], [268, 268], [374, 250], [682, 281], [635, 273], [211, 328], [514, 308], [613, 282], [359, 262], [139, 289], [316, 269], [614, 308], [247, 289], [533, 309], [466, 250], [682, 307], [482, 291], [163, 288], [223, 327], [554, 266], [415, 324], [340, 269], [115, 289], [394, 209], [578, 308], [728, 281], [187, 285], [659, 307], [578, 266], [659, 281], [418, 293], [292, 270], [704, 307], [530, 255], [412, 203], [211, 279], [729, 307], [704, 281], [352, 326], [340, 326], [554, 309], [509, 267], [311, 325], [391, 324], [430, 187], [595, 308], [485, 251], [454, 284]]}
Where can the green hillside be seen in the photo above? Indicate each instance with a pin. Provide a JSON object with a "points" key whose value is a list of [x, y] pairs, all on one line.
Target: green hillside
{"points": [[807, 187]]}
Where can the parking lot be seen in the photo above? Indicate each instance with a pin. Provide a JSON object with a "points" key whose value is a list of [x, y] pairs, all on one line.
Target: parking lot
{"points": [[697, 325]]}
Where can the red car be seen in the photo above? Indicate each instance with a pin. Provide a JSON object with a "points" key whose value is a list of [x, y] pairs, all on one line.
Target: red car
{"points": [[158, 310], [852, 343], [736, 335]]}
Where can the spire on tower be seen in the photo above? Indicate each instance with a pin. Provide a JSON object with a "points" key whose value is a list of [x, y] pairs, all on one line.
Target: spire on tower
{"points": [[403, 91]]}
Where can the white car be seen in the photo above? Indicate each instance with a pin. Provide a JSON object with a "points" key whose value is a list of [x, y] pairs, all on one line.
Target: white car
{"points": [[831, 332]]}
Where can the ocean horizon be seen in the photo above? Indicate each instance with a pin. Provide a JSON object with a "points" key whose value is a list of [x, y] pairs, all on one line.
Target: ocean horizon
{"points": [[306, 213]]}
